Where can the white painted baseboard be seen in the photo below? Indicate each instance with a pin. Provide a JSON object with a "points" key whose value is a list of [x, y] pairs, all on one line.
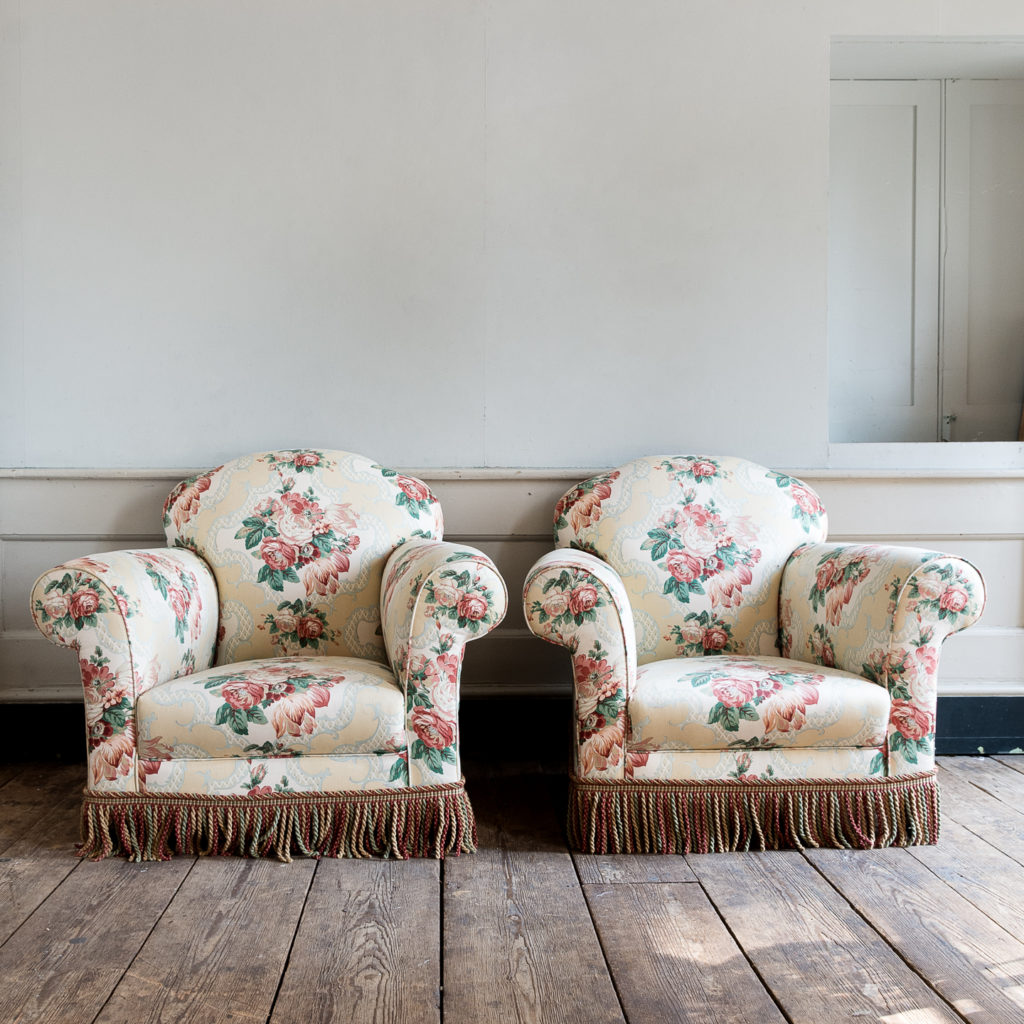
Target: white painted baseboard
{"points": [[47, 516]]}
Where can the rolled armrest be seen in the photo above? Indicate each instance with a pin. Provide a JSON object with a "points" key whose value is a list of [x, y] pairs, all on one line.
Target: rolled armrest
{"points": [[136, 618], [576, 600], [882, 611], [436, 597]]}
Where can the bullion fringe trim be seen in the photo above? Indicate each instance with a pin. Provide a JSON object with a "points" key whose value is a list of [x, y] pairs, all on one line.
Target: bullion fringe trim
{"points": [[423, 821], [672, 816]]}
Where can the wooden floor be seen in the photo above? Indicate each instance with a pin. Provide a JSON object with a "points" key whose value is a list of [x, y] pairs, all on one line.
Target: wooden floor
{"points": [[522, 930]]}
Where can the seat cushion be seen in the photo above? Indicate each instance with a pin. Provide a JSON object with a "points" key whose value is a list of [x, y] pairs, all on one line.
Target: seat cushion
{"points": [[274, 707], [716, 702]]}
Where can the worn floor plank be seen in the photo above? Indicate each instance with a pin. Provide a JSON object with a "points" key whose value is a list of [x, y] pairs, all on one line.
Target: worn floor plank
{"points": [[989, 775], [821, 960], [33, 790], [984, 815], [61, 965], [672, 959], [368, 948], [8, 772], [1014, 761], [974, 963], [608, 869], [851, 936], [519, 944], [987, 877], [218, 951], [36, 863]]}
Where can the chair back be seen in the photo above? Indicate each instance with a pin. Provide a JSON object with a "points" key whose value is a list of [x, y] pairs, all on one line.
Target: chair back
{"points": [[700, 543], [297, 542]]}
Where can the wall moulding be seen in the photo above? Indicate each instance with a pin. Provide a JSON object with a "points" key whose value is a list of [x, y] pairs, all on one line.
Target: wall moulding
{"points": [[49, 515]]}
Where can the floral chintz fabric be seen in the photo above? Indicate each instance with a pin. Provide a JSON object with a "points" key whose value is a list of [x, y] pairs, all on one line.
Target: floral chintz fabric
{"points": [[575, 600], [714, 634], [136, 619], [304, 633], [436, 597], [881, 612], [699, 544], [297, 541]]}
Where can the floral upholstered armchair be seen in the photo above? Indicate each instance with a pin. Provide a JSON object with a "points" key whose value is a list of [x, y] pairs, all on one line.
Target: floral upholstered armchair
{"points": [[284, 677], [740, 682]]}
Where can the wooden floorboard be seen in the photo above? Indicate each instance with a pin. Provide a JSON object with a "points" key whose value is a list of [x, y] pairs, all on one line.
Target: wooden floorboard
{"points": [[991, 819], [608, 869], [62, 964], [521, 931], [672, 959], [990, 776], [974, 963], [39, 860], [519, 943], [1014, 761], [368, 948], [219, 949], [813, 950], [30, 793]]}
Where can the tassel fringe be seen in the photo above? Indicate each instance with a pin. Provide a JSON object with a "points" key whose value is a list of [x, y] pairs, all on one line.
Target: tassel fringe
{"points": [[423, 821], [671, 816]]}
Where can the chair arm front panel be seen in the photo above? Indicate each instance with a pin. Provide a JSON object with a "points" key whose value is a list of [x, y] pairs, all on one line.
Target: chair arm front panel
{"points": [[436, 597], [881, 611], [136, 618], [574, 599]]}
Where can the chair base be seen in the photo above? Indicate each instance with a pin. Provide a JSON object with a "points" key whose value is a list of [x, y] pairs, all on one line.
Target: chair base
{"points": [[422, 821], [721, 815]]}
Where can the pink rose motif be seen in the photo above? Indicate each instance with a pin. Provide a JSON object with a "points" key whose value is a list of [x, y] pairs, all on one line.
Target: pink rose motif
{"points": [[910, 720], [83, 603], [415, 490], [435, 731], [555, 604], [307, 459], [702, 468], [243, 693], [278, 554], [295, 529], [178, 600], [98, 677], [806, 500], [582, 598], [594, 678], [55, 604], [733, 693], [692, 634], [286, 621], [928, 659], [828, 574], [683, 566], [446, 594], [310, 627], [472, 607], [715, 638], [954, 599], [931, 588]]}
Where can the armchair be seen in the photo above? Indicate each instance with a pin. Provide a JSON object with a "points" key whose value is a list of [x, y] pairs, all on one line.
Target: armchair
{"points": [[284, 676], [738, 682]]}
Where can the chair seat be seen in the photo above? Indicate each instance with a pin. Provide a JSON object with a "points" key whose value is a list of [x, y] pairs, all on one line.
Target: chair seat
{"points": [[274, 707], [715, 702]]}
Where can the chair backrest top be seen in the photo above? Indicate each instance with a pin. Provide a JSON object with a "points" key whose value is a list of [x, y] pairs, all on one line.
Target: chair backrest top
{"points": [[297, 540], [700, 543]]}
